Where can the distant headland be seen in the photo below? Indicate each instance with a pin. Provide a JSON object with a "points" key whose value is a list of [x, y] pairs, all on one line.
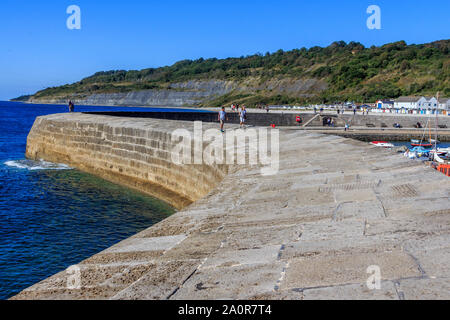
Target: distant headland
{"points": [[340, 72]]}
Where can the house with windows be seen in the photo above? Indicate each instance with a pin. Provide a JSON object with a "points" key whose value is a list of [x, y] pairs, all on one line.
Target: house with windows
{"points": [[408, 103], [444, 105], [420, 105], [431, 103]]}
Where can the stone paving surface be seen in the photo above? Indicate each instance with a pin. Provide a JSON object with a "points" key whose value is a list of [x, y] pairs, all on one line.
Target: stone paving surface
{"points": [[336, 207]]}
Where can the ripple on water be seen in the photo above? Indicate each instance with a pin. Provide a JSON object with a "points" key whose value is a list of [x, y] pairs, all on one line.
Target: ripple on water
{"points": [[52, 217], [36, 165]]}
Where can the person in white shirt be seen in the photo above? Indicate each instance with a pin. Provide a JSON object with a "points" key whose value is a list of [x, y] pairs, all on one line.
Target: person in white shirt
{"points": [[222, 118], [243, 116]]}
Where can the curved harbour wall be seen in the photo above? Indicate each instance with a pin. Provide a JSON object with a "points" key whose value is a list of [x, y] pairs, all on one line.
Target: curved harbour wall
{"points": [[132, 152], [308, 232]]}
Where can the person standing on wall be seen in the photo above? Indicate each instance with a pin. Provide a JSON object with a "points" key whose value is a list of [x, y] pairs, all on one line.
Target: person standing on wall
{"points": [[71, 106], [222, 118], [243, 116]]}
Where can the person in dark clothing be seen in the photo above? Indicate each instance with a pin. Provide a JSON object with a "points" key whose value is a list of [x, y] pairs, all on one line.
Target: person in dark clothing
{"points": [[71, 106]]}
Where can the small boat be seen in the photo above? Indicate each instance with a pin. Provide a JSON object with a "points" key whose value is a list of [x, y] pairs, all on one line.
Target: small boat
{"points": [[418, 143], [440, 152], [441, 159], [382, 144], [443, 150]]}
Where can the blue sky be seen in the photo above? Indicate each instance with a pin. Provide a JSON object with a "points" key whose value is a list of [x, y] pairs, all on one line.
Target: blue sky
{"points": [[37, 50]]}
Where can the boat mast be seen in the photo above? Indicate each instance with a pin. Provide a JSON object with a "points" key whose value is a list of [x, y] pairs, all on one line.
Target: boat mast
{"points": [[436, 126]]}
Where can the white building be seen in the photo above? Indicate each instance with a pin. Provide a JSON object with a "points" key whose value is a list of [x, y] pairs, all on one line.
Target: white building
{"points": [[444, 105], [385, 104], [408, 103], [422, 105], [431, 104]]}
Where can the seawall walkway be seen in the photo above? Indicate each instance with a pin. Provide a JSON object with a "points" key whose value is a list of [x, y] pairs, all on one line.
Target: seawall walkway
{"points": [[336, 207]]}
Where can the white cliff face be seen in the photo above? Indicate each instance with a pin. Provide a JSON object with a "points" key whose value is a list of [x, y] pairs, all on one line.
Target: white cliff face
{"points": [[196, 92], [179, 94]]}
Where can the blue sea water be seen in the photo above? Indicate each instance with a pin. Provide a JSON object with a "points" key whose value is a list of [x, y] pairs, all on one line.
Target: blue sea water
{"points": [[51, 216], [408, 144]]}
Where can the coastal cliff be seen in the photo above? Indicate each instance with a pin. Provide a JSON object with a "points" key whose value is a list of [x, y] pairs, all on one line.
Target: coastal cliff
{"points": [[175, 95], [190, 93], [339, 72]]}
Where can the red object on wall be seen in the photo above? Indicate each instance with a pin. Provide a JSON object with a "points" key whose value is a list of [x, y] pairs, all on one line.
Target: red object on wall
{"points": [[445, 169]]}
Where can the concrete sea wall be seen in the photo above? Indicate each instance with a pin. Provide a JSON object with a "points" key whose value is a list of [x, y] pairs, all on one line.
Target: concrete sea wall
{"points": [[253, 119], [128, 151], [368, 135], [336, 207], [259, 118], [387, 121]]}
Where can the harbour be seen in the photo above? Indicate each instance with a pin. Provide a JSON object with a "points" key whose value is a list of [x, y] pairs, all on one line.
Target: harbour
{"points": [[277, 237]]}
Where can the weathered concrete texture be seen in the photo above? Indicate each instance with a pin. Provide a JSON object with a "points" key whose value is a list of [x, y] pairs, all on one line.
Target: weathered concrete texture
{"points": [[365, 134], [336, 207], [133, 152]]}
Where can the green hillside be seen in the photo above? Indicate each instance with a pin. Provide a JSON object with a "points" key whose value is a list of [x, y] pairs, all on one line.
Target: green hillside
{"points": [[344, 72]]}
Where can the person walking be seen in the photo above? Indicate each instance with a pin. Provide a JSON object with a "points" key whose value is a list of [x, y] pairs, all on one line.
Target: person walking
{"points": [[222, 118]]}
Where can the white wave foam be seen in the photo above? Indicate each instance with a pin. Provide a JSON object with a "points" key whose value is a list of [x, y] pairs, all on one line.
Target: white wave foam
{"points": [[36, 165]]}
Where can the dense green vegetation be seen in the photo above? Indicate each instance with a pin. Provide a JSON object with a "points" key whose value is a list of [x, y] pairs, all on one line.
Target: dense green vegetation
{"points": [[350, 72]]}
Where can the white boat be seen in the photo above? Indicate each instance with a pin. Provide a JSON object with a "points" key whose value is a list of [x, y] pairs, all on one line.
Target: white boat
{"points": [[382, 144], [444, 150], [439, 160]]}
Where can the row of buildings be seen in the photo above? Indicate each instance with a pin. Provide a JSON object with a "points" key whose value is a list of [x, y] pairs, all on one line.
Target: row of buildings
{"points": [[415, 105]]}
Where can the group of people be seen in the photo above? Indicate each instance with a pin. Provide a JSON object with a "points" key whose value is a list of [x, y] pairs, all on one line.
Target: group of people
{"points": [[339, 111], [329, 122], [234, 107]]}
